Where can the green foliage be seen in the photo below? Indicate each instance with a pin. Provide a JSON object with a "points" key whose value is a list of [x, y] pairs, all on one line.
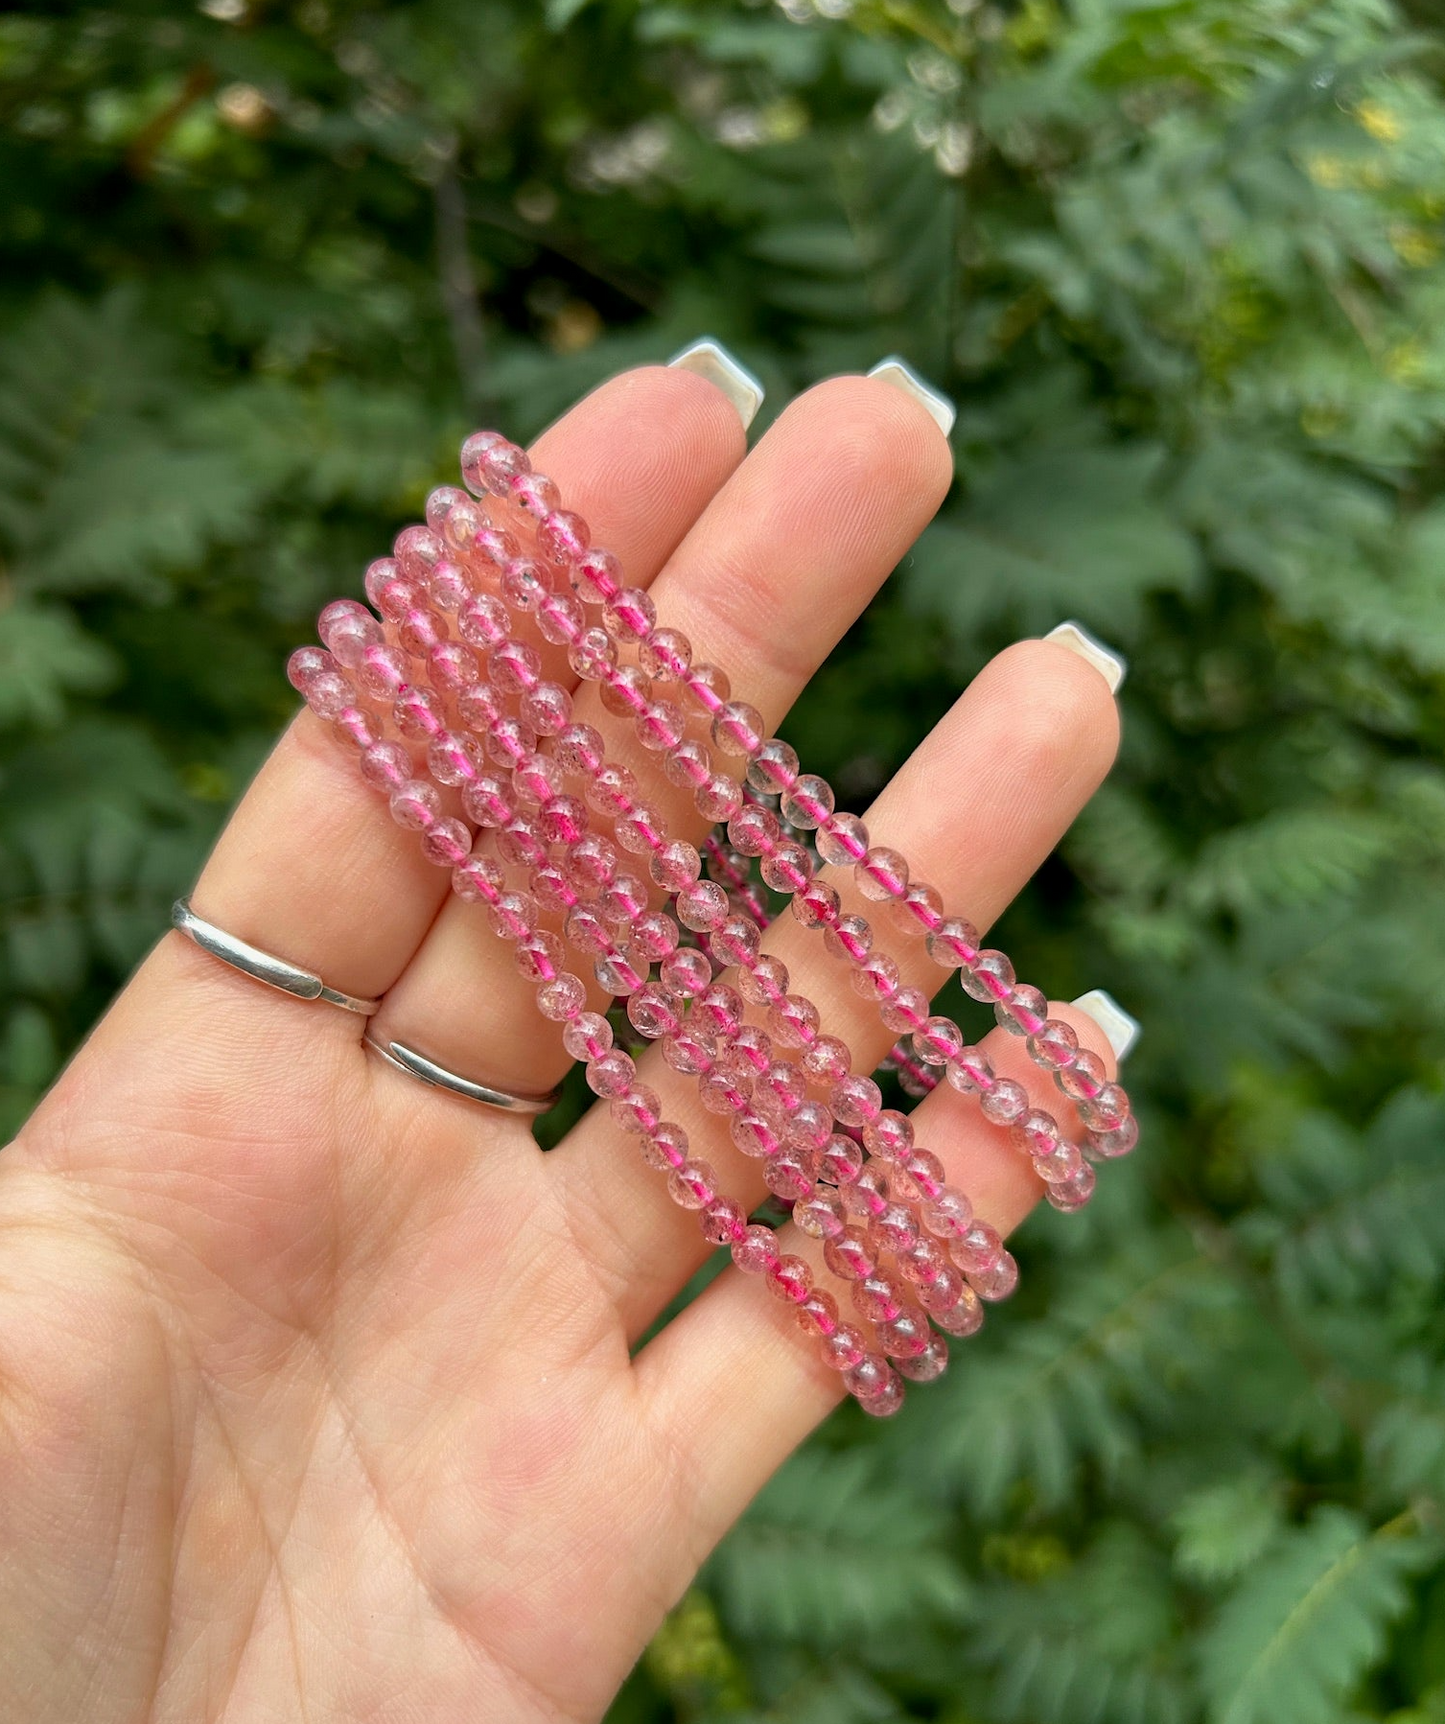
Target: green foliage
{"points": [[1182, 267]]}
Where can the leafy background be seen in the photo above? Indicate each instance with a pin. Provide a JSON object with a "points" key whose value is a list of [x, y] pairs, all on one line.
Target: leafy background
{"points": [[1181, 263]]}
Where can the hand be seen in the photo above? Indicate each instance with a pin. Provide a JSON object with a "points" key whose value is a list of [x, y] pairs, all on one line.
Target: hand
{"points": [[316, 1398]]}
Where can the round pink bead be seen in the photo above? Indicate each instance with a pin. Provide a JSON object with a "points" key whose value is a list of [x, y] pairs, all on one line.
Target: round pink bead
{"points": [[665, 1146], [416, 804], [1054, 1046], [842, 839], [757, 1251], [881, 874], [629, 615], [447, 843], [790, 1279], [724, 1222], [856, 1100], [970, 1071], [498, 465], [693, 1185], [1004, 1102], [930, 1364], [737, 729], [817, 905], [562, 999], [666, 655], [1070, 1195], [905, 1011], [962, 1318], [991, 978], [596, 576], [1024, 1012], [773, 767], [999, 1281], [1083, 1080], [939, 1041], [638, 1109], [1035, 1132], [807, 802], [562, 536], [1107, 1110], [535, 493], [1117, 1141], [889, 1135], [588, 1037], [821, 1214], [473, 448], [978, 1250]]}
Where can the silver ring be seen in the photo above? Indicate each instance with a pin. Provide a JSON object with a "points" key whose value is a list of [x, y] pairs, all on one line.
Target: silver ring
{"points": [[418, 1065], [262, 966]]}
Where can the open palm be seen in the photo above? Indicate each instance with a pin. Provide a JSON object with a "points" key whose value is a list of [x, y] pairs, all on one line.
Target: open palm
{"points": [[317, 1390]]}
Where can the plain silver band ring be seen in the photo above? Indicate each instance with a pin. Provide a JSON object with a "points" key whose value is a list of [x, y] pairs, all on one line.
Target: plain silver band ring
{"points": [[262, 966], [418, 1065]]}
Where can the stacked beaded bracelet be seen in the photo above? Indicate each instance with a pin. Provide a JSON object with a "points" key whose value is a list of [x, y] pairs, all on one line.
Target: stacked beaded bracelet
{"points": [[499, 733]]}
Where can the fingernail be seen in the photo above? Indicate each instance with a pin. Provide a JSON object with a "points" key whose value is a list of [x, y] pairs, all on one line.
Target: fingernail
{"points": [[710, 359], [902, 376], [1122, 1030], [1112, 666]]}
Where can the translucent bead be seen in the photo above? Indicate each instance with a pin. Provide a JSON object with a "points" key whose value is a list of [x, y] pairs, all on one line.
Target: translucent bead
{"points": [[552, 888], [562, 536], [666, 655], [752, 1048], [563, 819], [329, 694], [877, 1297], [939, 1041], [612, 789], [1024, 1012], [737, 729], [592, 655], [970, 1071], [659, 726], [1054, 1046], [379, 575], [723, 1092], [736, 941], [856, 1100], [448, 586], [417, 549], [652, 1014], [820, 1215], [638, 1109], [421, 632], [919, 1177], [382, 672], [773, 767], [416, 803], [999, 1281], [348, 629], [817, 905], [842, 840], [454, 757], [509, 741], [514, 915], [629, 615], [881, 874], [688, 1051], [818, 1313], [580, 750], [478, 879], [930, 1364], [869, 1378], [540, 956], [513, 665], [905, 1012], [788, 868], [617, 975], [807, 802], [494, 545], [790, 1279], [753, 1135], [990, 979], [519, 843], [419, 713], [978, 1250], [923, 1262], [827, 1060], [907, 1336], [724, 1221], [1069, 1196], [964, 1317], [675, 866], [783, 1082], [461, 524], [685, 972], [1004, 1101], [757, 1251], [498, 465], [561, 1000], [640, 829], [1117, 1141], [654, 935], [948, 1215], [941, 1292], [536, 493], [626, 691], [787, 1175], [844, 1349], [1083, 1080], [867, 1195], [793, 1020], [709, 686], [765, 981], [483, 621], [559, 619], [889, 1135], [473, 449], [1060, 1165], [452, 667], [447, 843], [591, 863], [480, 705], [357, 726], [1107, 1110], [876, 978], [1035, 1132], [439, 502], [693, 1185], [849, 937], [849, 1255], [588, 1037], [596, 576], [721, 1008], [918, 911], [894, 1228], [840, 1160], [703, 906], [754, 830], [665, 1146]]}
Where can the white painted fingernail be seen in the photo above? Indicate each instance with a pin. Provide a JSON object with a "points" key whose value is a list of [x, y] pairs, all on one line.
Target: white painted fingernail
{"points": [[902, 376], [710, 359], [1122, 1030], [1112, 666]]}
